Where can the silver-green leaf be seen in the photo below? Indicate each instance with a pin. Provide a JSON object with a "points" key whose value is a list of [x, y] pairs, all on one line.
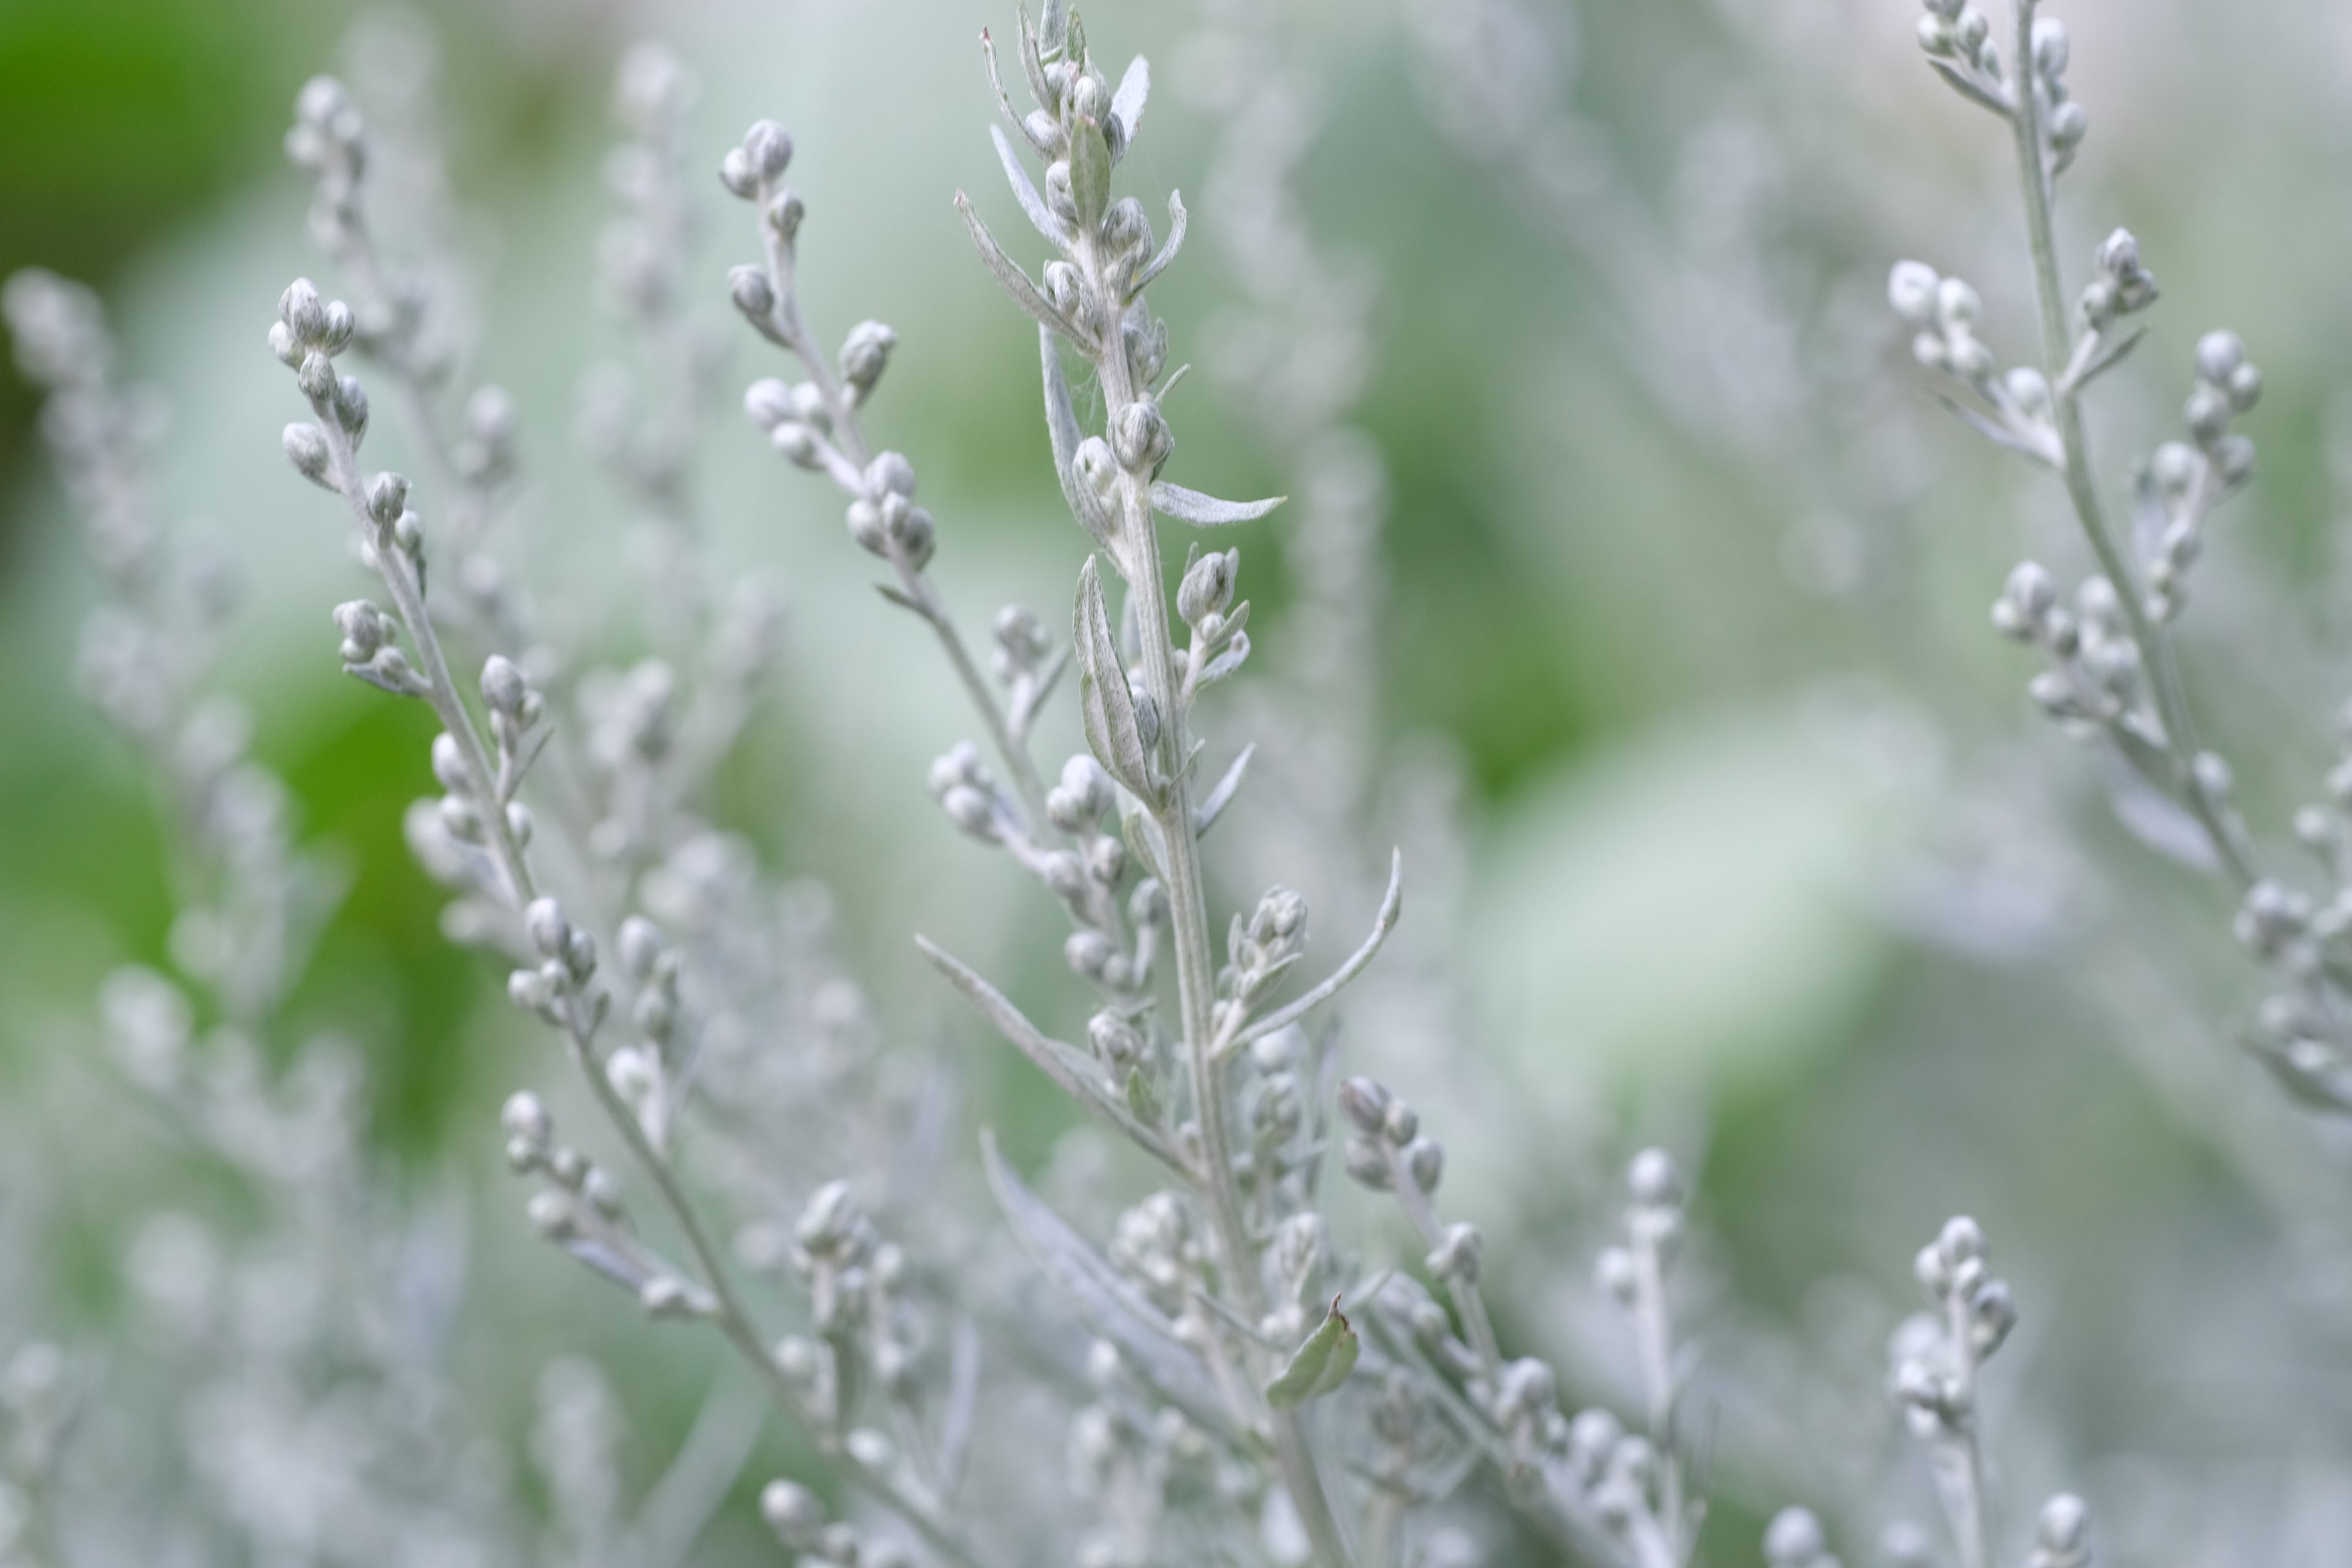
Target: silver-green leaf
{"points": [[1319, 1366], [1207, 511], [1106, 706]]}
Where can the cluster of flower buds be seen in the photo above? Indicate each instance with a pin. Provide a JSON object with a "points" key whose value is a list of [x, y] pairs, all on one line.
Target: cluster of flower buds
{"points": [[856, 1282], [557, 990], [641, 1073], [2184, 480], [1260, 952], [2064, 122], [1794, 1539], [641, 252], [1156, 1243], [515, 708], [798, 1518], [965, 790], [2123, 285], [485, 455], [793, 414], [884, 518], [1934, 1356], [1028, 666], [306, 336], [1093, 293], [1958, 38], [1944, 312], [327, 142], [1275, 1102], [1204, 597], [1086, 875], [753, 169], [1653, 1228], [1138, 1460], [582, 1210], [1388, 1149], [865, 354], [369, 652], [1301, 1256], [2093, 679]]}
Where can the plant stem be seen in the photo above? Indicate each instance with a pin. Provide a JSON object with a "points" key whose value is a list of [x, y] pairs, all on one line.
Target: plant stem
{"points": [[2081, 484], [1960, 1471], [1187, 913]]}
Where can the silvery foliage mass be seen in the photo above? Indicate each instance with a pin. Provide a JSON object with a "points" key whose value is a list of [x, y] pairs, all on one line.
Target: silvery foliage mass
{"points": [[1256, 1387]]}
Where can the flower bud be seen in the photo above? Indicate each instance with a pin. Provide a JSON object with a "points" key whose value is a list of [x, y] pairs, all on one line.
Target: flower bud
{"points": [[2064, 1522], [1653, 1181], [2069, 123], [737, 173], [1365, 1102], [303, 311], [1911, 289], [526, 1120], [2208, 412], [503, 687], [306, 448], [769, 149], [865, 353], [387, 498], [364, 628], [1208, 585], [749, 286], [1140, 439], [890, 474], [1425, 1159], [550, 931], [2219, 355], [1793, 1539], [792, 1513]]}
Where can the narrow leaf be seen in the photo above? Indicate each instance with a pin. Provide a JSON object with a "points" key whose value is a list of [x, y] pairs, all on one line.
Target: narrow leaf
{"points": [[1062, 429], [1041, 218], [1999, 435], [1391, 905], [1142, 835], [1237, 648], [1206, 815], [1970, 90], [1127, 103], [1030, 62], [1109, 1304], [1319, 1366], [1069, 1067], [1015, 281], [1004, 98], [1106, 707], [2110, 359], [1168, 249], [1207, 511]]}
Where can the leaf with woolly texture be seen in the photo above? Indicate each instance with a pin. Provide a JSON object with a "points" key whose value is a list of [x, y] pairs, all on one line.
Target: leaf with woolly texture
{"points": [[1207, 511], [1110, 1306], [1106, 708]]}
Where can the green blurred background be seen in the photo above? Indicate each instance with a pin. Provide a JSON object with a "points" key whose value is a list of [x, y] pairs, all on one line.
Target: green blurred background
{"points": [[1765, 853]]}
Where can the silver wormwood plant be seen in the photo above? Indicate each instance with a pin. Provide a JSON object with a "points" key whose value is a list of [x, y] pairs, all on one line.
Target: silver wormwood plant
{"points": [[1255, 1385], [2112, 672]]}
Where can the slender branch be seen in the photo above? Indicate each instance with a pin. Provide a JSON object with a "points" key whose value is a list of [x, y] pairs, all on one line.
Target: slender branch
{"points": [[2082, 483], [734, 1321], [784, 327]]}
